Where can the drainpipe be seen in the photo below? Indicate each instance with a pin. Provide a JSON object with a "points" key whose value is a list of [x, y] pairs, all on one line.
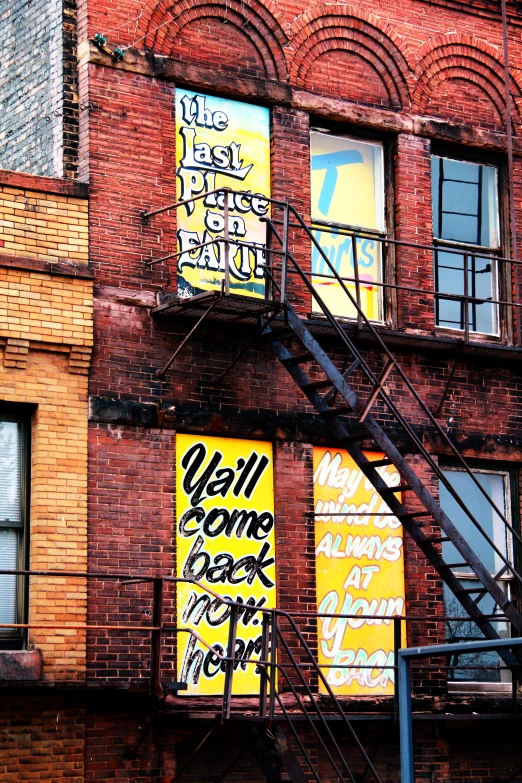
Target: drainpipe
{"points": [[511, 186]]}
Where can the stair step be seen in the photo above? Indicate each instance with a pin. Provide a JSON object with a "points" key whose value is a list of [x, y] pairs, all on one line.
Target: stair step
{"points": [[380, 463], [299, 358], [391, 490], [456, 565], [174, 687], [437, 539], [354, 437], [313, 385], [282, 333], [471, 590], [336, 412], [413, 515], [366, 466]]}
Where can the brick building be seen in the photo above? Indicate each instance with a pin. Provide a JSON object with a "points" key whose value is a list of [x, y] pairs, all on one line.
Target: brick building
{"points": [[350, 298]]}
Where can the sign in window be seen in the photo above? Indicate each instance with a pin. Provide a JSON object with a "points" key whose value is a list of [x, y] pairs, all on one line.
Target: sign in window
{"points": [[224, 540], [359, 571], [347, 196], [221, 143]]}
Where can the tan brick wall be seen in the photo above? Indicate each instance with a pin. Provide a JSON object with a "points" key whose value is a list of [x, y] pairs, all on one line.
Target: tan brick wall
{"points": [[46, 336], [42, 225], [37, 306]]}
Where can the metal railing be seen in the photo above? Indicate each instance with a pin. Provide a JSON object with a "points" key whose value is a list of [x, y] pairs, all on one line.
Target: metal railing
{"points": [[287, 663], [404, 660], [501, 268]]}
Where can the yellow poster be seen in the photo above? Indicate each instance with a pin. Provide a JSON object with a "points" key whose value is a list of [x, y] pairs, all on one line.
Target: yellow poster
{"points": [[224, 540], [221, 143], [360, 571], [347, 190]]}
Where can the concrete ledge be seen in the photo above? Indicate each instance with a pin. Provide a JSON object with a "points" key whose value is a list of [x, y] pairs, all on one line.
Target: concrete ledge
{"points": [[19, 665], [201, 77], [61, 187], [48, 267]]}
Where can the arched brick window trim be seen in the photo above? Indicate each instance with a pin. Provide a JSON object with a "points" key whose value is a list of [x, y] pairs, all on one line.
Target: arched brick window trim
{"points": [[334, 27], [448, 57], [262, 24]]}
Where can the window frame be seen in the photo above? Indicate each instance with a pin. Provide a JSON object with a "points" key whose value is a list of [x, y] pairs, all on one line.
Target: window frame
{"points": [[16, 639], [388, 294], [502, 283], [513, 512]]}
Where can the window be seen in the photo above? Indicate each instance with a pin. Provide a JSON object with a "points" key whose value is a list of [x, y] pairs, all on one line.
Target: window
{"points": [[13, 522], [466, 212], [347, 194], [497, 485]]}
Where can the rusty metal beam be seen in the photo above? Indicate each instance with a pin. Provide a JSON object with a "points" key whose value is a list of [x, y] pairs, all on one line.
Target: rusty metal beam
{"points": [[161, 373]]}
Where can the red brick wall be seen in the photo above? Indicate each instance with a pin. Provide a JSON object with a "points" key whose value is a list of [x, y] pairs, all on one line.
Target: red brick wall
{"points": [[41, 739], [327, 75], [130, 164], [130, 531], [216, 42], [342, 63], [413, 216]]}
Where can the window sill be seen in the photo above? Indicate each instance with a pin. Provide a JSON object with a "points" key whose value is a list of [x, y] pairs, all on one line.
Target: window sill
{"points": [[491, 688], [418, 339], [348, 320], [16, 665], [476, 337]]}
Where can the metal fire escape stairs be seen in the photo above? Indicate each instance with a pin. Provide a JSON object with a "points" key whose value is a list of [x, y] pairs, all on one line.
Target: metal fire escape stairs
{"points": [[348, 418], [349, 436], [413, 521]]}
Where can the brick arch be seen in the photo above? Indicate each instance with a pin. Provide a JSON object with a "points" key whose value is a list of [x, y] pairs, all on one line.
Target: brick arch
{"points": [[449, 60], [333, 28], [259, 26]]}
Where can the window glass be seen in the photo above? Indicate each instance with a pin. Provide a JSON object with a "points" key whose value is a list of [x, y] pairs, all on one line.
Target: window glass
{"points": [[465, 202], [496, 486], [8, 561], [465, 210], [10, 499], [347, 190], [11, 521]]}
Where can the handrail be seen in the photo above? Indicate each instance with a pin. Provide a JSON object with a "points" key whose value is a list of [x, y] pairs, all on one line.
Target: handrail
{"points": [[323, 679], [405, 656], [448, 245], [373, 378], [131, 578], [389, 403]]}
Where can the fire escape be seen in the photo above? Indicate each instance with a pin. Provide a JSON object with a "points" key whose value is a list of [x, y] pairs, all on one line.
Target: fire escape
{"points": [[371, 418]]}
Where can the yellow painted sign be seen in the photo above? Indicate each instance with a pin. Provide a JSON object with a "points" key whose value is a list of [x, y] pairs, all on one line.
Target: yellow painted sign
{"points": [[347, 189], [360, 571], [225, 540], [221, 143]]}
